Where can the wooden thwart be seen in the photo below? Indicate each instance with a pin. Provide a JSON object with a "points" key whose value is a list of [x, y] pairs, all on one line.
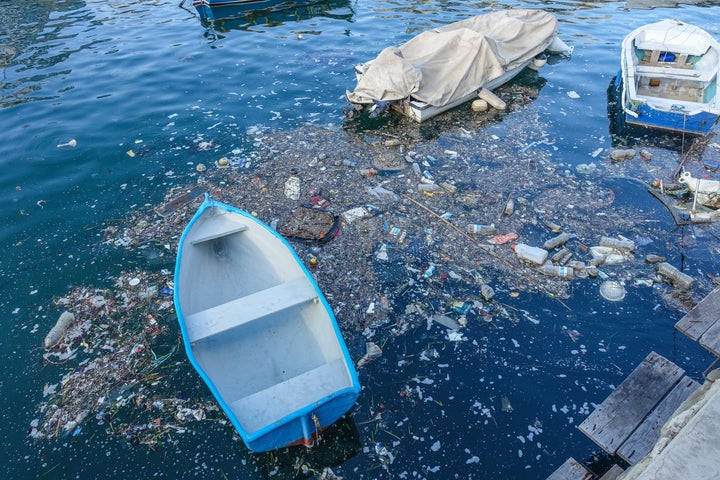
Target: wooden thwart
{"points": [[622, 413], [702, 323]]}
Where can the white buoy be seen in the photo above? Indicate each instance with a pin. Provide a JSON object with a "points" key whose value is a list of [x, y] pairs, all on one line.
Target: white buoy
{"points": [[479, 105], [58, 331]]}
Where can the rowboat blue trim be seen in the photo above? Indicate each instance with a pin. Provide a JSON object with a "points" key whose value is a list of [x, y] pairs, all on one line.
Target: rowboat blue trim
{"points": [[308, 419]]}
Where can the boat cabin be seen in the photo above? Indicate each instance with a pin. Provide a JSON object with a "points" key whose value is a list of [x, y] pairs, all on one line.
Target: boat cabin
{"points": [[675, 70]]}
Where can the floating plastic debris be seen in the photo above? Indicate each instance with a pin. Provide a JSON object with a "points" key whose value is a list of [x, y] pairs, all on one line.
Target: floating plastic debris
{"points": [[373, 352], [71, 143], [504, 238], [58, 331], [612, 291]]}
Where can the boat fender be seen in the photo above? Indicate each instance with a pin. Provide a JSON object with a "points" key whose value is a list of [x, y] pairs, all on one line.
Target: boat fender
{"points": [[58, 331]]}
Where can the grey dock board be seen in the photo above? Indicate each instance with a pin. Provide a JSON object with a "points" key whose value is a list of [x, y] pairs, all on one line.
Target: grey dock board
{"points": [[571, 470], [612, 474], [614, 420], [702, 317], [711, 339], [643, 439]]}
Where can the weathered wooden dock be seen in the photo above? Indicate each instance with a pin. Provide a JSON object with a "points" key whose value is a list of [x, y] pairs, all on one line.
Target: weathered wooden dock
{"points": [[574, 470], [702, 323], [628, 422]]}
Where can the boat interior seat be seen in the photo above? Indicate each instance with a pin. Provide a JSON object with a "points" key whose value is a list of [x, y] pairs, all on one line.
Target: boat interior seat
{"points": [[220, 318], [217, 226], [271, 404]]}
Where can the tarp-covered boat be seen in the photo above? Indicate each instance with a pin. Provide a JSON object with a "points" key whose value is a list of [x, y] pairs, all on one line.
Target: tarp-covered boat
{"points": [[446, 66], [669, 77], [259, 331]]}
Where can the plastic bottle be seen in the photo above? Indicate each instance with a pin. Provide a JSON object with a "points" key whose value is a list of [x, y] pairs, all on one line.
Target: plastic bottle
{"points": [[478, 229], [557, 271], [416, 169], [530, 254], [556, 241], [562, 256], [627, 245], [676, 277], [58, 331], [448, 187], [429, 272], [509, 207], [429, 187]]}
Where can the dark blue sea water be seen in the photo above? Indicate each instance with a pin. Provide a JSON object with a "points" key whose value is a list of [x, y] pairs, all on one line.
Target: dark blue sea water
{"points": [[150, 78]]}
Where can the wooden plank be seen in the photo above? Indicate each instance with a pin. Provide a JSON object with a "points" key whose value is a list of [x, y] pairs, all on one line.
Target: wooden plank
{"points": [[612, 474], [643, 439], [704, 315], [571, 470], [628, 405], [711, 339]]}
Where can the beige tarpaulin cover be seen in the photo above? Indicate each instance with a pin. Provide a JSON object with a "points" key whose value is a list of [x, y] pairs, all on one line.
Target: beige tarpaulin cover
{"points": [[447, 63]]}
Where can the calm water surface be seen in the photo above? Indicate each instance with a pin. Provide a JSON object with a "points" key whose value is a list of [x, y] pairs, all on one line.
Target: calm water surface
{"points": [[149, 77]]}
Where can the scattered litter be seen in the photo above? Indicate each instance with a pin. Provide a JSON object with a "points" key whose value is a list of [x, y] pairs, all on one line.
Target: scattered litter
{"points": [[622, 154], [612, 291], [310, 224], [504, 238], [445, 321], [58, 331], [372, 352], [71, 143], [356, 213], [676, 277]]}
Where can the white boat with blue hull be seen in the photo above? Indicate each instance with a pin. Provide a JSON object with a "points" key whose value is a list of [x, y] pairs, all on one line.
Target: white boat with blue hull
{"points": [[259, 331], [669, 78], [211, 10]]}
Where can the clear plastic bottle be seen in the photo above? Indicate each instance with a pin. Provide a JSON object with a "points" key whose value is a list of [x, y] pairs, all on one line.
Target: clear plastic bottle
{"points": [[477, 229], [556, 241], [676, 277], [557, 271], [429, 187], [562, 256], [530, 254], [627, 245]]}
